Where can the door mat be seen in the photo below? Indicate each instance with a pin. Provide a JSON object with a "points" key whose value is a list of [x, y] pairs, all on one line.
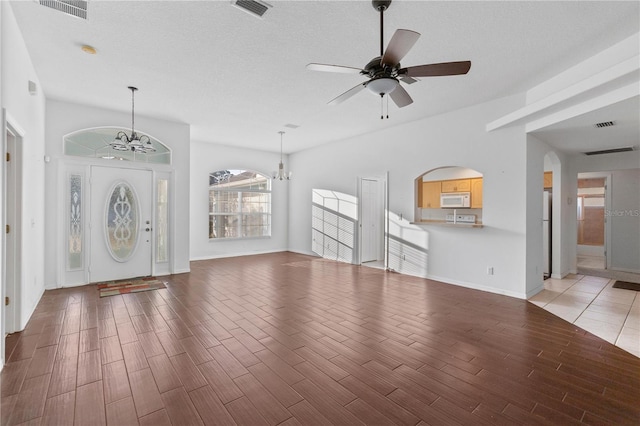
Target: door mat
{"points": [[626, 285], [111, 288]]}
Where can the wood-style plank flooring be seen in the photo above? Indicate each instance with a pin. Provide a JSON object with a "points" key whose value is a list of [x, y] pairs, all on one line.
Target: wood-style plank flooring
{"points": [[287, 339]]}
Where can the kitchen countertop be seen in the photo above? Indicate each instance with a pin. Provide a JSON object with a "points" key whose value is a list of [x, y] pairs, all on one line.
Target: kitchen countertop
{"points": [[447, 224]]}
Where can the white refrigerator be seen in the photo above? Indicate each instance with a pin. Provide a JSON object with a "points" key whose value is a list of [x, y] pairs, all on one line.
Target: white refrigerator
{"points": [[546, 234]]}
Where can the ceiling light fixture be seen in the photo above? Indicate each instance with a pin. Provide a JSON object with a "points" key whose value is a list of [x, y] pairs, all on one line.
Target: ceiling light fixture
{"points": [[281, 174], [382, 85], [135, 142], [89, 49]]}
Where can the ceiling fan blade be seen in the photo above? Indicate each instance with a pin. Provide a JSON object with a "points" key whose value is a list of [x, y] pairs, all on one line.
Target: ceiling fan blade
{"points": [[333, 68], [435, 70], [400, 97], [346, 95], [408, 80], [399, 45]]}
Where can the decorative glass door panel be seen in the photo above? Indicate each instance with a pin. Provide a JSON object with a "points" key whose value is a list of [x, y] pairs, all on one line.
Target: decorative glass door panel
{"points": [[122, 222], [121, 215]]}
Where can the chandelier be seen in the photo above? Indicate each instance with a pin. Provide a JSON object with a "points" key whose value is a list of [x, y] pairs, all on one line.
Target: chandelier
{"points": [[281, 174], [135, 142]]}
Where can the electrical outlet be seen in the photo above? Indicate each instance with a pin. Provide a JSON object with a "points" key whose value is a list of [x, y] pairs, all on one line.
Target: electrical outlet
{"points": [[489, 270]]}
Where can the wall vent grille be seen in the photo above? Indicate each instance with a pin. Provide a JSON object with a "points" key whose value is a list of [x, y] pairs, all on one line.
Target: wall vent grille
{"points": [[77, 8], [609, 151], [253, 7], [292, 126], [605, 124]]}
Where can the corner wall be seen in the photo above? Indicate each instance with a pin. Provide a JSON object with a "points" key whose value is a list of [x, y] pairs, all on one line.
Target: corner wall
{"points": [[455, 255]]}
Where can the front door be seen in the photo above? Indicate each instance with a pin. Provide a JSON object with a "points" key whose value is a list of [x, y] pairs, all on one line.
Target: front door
{"points": [[121, 215]]}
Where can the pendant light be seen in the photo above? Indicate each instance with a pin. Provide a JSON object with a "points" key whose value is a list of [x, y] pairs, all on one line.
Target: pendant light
{"points": [[134, 142], [281, 174]]}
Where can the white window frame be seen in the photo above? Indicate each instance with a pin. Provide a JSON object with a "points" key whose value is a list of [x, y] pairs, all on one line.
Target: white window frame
{"points": [[238, 212]]}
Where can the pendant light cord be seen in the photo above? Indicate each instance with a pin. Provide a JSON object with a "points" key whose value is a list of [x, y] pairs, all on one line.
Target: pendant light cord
{"points": [[133, 105], [281, 133]]}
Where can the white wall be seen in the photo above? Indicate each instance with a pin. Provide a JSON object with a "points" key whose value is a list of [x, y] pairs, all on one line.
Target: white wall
{"points": [[209, 157], [625, 220], [536, 150], [2, 216], [64, 118], [455, 255], [27, 113], [625, 197]]}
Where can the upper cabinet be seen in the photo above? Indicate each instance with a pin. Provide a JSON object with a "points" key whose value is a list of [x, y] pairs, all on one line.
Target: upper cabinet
{"points": [[476, 193], [456, 185], [430, 195], [548, 180]]}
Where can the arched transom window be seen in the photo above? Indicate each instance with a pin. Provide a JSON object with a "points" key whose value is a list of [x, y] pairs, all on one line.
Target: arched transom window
{"points": [[96, 143]]}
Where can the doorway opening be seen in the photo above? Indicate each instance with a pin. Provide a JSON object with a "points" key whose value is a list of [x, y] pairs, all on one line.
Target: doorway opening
{"points": [[373, 201], [592, 224]]}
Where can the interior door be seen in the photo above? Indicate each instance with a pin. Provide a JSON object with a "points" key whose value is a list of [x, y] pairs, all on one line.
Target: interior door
{"points": [[121, 219], [371, 220]]}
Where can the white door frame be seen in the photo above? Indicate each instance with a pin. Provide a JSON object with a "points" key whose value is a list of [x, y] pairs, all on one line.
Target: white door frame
{"points": [[82, 166], [384, 222], [13, 136], [607, 207], [607, 222]]}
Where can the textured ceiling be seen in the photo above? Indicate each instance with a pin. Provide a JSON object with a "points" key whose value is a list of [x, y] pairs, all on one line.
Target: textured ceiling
{"points": [[238, 80]]}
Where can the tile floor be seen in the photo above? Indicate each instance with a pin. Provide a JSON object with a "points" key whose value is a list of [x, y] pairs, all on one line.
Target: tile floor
{"points": [[594, 305], [592, 262]]}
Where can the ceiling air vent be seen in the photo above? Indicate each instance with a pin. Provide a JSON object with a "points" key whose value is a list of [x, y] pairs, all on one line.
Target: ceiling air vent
{"points": [[77, 8], [253, 7], [609, 151], [292, 126], [605, 124]]}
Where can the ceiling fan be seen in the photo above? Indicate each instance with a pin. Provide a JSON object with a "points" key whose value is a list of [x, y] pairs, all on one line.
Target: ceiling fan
{"points": [[384, 71]]}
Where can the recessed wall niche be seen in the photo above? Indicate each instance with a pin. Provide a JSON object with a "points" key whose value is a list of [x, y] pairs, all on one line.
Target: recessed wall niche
{"points": [[449, 194]]}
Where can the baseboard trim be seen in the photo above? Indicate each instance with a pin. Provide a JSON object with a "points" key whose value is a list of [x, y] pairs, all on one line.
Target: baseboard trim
{"points": [[238, 254], [480, 287]]}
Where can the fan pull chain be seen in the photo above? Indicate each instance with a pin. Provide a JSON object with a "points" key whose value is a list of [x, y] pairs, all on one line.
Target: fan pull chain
{"points": [[382, 106], [387, 107]]}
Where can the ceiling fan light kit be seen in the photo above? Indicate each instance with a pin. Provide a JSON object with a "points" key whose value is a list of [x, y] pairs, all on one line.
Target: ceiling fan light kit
{"points": [[382, 85], [385, 73]]}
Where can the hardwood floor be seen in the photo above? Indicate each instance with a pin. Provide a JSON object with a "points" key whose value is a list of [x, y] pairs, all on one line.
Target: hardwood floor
{"points": [[287, 339]]}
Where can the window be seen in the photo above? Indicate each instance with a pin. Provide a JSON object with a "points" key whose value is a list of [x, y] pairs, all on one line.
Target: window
{"points": [[94, 143], [239, 204]]}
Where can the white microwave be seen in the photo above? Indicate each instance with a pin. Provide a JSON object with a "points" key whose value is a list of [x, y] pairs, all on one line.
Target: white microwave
{"points": [[452, 200]]}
